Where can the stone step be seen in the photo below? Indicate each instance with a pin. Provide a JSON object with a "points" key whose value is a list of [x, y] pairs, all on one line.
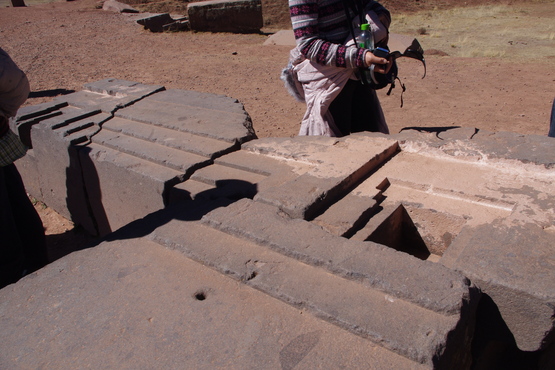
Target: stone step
{"points": [[184, 141], [320, 171], [188, 190], [433, 287], [200, 318], [217, 173], [347, 215], [282, 269], [176, 159], [200, 116], [122, 188], [248, 161]]}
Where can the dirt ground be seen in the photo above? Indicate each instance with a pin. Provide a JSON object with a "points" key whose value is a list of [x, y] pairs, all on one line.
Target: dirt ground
{"points": [[63, 45]]}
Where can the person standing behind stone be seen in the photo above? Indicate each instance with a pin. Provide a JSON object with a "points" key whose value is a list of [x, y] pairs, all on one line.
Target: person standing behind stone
{"points": [[321, 70], [22, 238]]}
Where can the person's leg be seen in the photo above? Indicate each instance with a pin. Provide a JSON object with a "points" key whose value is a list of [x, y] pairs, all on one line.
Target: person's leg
{"points": [[552, 124], [11, 250], [341, 107], [23, 227], [367, 114]]}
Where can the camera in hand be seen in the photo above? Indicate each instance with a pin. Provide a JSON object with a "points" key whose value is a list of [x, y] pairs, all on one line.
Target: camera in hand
{"points": [[381, 52], [379, 80]]}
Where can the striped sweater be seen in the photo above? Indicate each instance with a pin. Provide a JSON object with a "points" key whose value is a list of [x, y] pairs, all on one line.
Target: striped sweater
{"points": [[321, 29]]}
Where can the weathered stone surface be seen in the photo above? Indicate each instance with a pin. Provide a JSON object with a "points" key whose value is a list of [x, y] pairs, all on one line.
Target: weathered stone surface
{"points": [[345, 215], [334, 167], [373, 314], [156, 22], [514, 266], [144, 184], [56, 141], [312, 245], [239, 16], [109, 95], [136, 304], [425, 217], [208, 115], [200, 145], [146, 154], [507, 206], [176, 159], [486, 147]]}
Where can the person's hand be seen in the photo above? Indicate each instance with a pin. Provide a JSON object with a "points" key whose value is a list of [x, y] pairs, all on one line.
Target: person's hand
{"points": [[382, 65]]}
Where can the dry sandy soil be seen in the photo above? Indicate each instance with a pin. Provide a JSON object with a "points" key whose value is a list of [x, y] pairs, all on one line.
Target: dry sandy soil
{"points": [[491, 64]]}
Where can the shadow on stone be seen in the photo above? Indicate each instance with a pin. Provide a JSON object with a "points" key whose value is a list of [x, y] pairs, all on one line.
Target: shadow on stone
{"points": [[398, 231], [85, 202], [60, 245], [49, 93], [494, 346], [225, 193], [431, 130]]}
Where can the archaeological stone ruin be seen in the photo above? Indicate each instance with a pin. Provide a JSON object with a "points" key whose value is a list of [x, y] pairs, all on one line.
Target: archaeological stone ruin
{"points": [[426, 249], [237, 16]]}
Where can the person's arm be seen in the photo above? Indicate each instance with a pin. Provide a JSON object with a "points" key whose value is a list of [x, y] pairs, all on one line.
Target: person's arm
{"points": [[304, 18], [14, 86]]}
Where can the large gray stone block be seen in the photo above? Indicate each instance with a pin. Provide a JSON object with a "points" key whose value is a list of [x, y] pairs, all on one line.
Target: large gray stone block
{"points": [[56, 142], [135, 304], [202, 114], [122, 188], [239, 16], [148, 151], [364, 288], [482, 217], [514, 266]]}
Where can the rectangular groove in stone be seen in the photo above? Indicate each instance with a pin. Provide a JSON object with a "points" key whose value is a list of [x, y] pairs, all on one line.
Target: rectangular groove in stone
{"points": [[184, 141], [165, 156], [73, 115], [81, 136], [40, 118], [77, 126], [34, 111]]}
